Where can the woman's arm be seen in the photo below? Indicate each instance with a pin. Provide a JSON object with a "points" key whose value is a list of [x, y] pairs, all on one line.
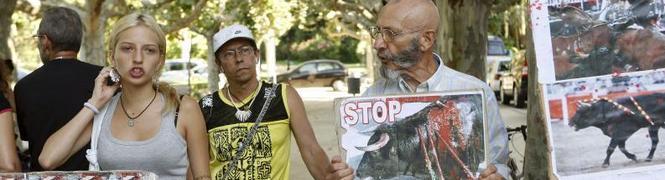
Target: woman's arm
{"points": [[316, 160], [76, 133], [8, 156], [67, 140], [191, 119]]}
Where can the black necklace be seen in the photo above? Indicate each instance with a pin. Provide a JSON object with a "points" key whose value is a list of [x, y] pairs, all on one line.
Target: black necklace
{"points": [[130, 119]]}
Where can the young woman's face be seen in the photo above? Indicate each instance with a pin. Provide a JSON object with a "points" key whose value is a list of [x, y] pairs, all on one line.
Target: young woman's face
{"points": [[136, 56]]}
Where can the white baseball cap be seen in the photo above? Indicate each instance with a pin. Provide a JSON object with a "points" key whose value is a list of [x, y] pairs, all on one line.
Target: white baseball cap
{"points": [[229, 33]]}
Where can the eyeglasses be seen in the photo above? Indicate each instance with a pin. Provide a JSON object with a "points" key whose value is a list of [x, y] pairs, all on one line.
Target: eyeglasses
{"points": [[243, 51], [387, 34]]}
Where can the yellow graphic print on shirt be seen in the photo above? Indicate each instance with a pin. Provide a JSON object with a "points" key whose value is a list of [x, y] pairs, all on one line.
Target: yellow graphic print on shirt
{"points": [[267, 157]]}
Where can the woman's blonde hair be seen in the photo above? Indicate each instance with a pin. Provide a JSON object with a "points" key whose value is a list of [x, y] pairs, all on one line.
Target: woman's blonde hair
{"points": [[141, 19]]}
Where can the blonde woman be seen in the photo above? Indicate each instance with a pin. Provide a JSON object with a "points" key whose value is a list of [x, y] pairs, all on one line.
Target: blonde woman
{"points": [[146, 126]]}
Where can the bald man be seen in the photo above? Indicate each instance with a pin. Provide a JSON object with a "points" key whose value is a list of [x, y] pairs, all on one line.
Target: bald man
{"points": [[404, 39]]}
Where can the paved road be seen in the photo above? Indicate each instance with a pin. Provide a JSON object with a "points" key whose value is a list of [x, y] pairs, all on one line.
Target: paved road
{"points": [[319, 106]]}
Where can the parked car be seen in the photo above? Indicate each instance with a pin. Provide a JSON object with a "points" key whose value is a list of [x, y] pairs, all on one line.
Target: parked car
{"points": [[183, 74], [514, 83], [317, 73], [498, 60], [180, 65]]}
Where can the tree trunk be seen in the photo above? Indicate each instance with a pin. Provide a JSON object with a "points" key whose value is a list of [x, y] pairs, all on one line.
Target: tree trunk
{"points": [[537, 159], [213, 71], [468, 27], [98, 12], [185, 48], [444, 39], [6, 11], [523, 26], [506, 26], [271, 57], [93, 49], [94, 21]]}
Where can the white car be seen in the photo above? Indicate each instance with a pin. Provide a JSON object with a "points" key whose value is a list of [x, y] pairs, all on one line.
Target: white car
{"points": [[181, 73], [498, 62], [181, 66]]}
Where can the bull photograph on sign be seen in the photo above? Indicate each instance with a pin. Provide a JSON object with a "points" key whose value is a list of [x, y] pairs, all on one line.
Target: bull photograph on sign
{"points": [[608, 126], [589, 38], [601, 64], [423, 136]]}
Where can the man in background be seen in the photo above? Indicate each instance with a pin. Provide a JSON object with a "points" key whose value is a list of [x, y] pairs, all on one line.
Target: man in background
{"points": [[50, 96]]}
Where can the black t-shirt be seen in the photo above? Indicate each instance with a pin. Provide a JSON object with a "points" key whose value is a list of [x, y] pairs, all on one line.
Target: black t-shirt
{"points": [[47, 99]]}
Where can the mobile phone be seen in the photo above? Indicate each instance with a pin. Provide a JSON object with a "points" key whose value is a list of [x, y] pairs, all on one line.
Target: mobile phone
{"points": [[113, 78]]}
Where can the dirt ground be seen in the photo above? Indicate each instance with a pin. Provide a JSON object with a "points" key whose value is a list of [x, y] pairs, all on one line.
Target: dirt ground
{"points": [[583, 151]]}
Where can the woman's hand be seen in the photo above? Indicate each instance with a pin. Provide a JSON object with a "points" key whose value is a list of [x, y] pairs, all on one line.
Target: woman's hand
{"points": [[103, 92]]}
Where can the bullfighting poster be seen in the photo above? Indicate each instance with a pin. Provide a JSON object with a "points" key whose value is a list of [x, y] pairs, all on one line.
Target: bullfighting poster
{"points": [[602, 68], [587, 38], [422, 136], [607, 126]]}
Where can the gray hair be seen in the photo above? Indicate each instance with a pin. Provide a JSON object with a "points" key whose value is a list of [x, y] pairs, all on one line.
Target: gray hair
{"points": [[63, 28]]}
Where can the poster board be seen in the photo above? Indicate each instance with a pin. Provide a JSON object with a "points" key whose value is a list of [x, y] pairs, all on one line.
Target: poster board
{"points": [[601, 66], [584, 120], [586, 38], [421, 136]]}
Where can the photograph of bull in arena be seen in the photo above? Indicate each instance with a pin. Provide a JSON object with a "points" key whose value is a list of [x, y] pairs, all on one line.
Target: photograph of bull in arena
{"points": [[433, 137], [622, 118], [600, 37], [607, 114]]}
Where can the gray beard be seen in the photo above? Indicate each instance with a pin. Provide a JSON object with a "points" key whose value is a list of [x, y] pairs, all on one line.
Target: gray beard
{"points": [[388, 73], [404, 59]]}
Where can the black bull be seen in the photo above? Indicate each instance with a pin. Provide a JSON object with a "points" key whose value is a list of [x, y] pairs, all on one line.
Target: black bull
{"points": [[396, 150], [619, 121]]}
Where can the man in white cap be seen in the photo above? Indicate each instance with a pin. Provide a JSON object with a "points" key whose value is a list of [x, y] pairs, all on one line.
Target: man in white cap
{"points": [[250, 122]]}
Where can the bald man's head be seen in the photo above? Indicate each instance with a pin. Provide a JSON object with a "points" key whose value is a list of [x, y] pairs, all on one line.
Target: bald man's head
{"points": [[412, 14], [405, 37]]}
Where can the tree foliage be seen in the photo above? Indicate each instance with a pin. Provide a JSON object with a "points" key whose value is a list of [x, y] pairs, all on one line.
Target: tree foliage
{"points": [[5, 19], [318, 33], [266, 18], [21, 42], [318, 47], [510, 23], [207, 25], [98, 14]]}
